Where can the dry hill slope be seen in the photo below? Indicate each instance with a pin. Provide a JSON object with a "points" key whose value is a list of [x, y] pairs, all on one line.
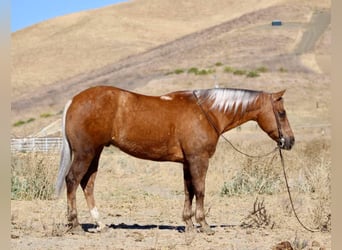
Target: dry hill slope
{"points": [[65, 46]]}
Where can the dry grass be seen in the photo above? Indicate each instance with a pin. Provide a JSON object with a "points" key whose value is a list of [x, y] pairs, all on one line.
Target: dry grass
{"points": [[308, 168], [33, 175]]}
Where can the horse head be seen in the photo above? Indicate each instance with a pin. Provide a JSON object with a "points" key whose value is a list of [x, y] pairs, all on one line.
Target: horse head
{"points": [[273, 120]]}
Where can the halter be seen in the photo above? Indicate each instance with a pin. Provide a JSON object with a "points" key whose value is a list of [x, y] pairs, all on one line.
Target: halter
{"points": [[281, 140]]}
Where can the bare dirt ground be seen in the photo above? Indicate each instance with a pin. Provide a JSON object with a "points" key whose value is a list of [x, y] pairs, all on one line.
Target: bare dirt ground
{"points": [[141, 201]]}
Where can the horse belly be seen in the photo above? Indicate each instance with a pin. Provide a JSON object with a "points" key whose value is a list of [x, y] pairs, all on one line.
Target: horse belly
{"points": [[149, 147]]}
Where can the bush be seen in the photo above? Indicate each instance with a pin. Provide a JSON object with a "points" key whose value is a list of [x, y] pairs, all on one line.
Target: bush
{"points": [[256, 176], [179, 71], [19, 123], [239, 72], [197, 71], [282, 70], [30, 120], [33, 175], [176, 71], [45, 115], [253, 74], [193, 70], [228, 69], [262, 69], [205, 72]]}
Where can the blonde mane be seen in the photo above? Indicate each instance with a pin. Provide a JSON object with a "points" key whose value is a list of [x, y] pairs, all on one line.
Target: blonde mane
{"points": [[227, 100]]}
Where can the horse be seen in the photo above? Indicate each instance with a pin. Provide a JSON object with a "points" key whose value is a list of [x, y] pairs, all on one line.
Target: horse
{"points": [[182, 126]]}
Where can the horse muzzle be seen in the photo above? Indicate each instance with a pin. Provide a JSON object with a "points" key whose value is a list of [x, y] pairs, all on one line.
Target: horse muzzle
{"points": [[286, 143]]}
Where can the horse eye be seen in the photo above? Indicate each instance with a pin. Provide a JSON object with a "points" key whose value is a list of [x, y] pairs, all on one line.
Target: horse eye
{"points": [[282, 114]]}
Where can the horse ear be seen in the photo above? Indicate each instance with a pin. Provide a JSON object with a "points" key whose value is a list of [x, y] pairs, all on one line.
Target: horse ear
{"points": [[277, 96]]}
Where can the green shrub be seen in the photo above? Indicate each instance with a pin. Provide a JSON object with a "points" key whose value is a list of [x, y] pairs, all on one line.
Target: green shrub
{"points": [[218, 64], [19, 123], [193, 70], [283, 70], [179, 71], [45, 115], [176, 71], [253, 74], [262, 69], [239, 72], [197, 71], [205, 72], [228, 69], [30, 120]]}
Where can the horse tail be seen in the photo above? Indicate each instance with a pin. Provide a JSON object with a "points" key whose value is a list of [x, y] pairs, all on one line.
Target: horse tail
{"points": [[66, 154]]}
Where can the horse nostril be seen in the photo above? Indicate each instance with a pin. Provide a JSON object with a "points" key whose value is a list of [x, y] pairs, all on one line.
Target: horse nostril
{"points": [[286, 143], [282, 142], [292, 141]]}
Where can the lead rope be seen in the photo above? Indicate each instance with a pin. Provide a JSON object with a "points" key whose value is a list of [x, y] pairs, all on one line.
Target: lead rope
{"points": [[248, 155], [284, 172], [290, 196], [260, 156]]}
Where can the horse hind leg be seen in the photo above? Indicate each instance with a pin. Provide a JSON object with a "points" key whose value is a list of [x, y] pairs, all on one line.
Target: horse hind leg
{"points": [[87, 184], [78, 169]]}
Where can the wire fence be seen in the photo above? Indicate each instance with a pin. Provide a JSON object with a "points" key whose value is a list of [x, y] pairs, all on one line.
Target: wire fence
{"points": [[40, 144]]}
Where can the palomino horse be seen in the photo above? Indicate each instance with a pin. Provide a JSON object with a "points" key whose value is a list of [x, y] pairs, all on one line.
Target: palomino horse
{"points": [[182, 126]]}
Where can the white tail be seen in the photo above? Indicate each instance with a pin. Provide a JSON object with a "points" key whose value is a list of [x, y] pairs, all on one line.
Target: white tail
{"points": [[66, 154]]}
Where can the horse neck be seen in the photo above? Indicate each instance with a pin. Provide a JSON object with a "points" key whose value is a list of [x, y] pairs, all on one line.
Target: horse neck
{"points": [[225, 121]]}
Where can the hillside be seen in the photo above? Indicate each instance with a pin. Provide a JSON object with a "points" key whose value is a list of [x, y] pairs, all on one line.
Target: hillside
{"points": [[64, 46], [226, 32]]}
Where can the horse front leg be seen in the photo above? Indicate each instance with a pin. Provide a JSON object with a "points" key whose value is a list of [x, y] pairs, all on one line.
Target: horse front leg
{"points": [[198, 171], [199, 213], [189, 195]]}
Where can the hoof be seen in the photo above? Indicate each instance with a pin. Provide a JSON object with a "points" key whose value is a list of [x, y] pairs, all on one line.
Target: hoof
{"points": [[189, 226], [98, 229], [190, 229], [207, 230], [75, 229]]}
